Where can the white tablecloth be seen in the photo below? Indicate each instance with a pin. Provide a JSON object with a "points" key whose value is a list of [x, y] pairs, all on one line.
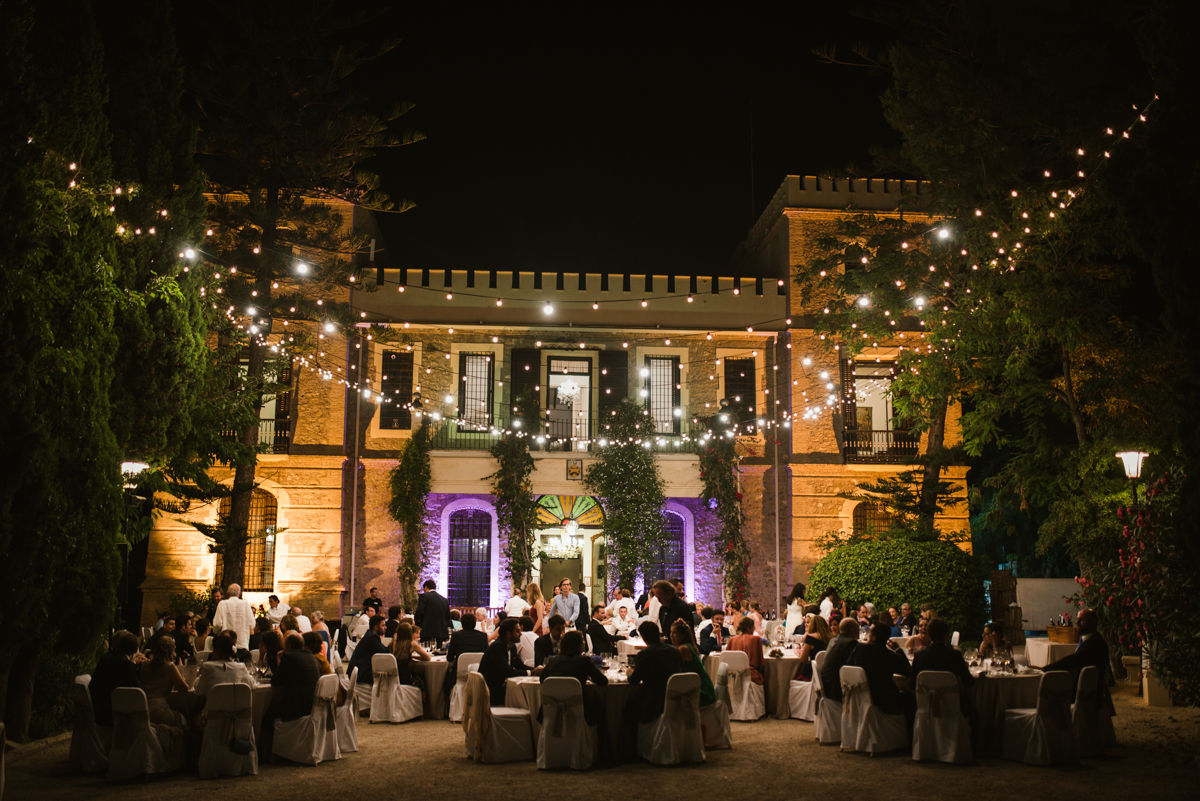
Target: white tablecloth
{"points": [[993, 695], [631, 646], [1042, 652]]}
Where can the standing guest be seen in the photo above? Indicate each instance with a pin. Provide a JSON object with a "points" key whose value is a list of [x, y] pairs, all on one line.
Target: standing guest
{"points": [[548, 644], [211, 609], [537, 607], [602, 643], [293, 684], [222, 667], [795, 609], [1092, 650], [622, 598], [920, 639], [672, 607], [261, 627], [235, 614], [183, 640], [117, 668], [941, 656], [881, 663], [526, 646], [161, 622], [816, 639], [270, 646], [716, 636], [566, 603], [406, 651], [831, 604], [275, 612], [373, 600], [302, 620], [751, 644], [393, 620], [683, 639], [201, 640], [993, 640], [584, 616], [733, 615], [907, 619], [656, 663], [368, 646], [433, 614], [836, 656], [501, 663], [516, 605]]}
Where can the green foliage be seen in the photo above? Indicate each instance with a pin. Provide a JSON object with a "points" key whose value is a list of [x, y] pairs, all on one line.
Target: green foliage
{"points": [[53, 689], [718, 470], [626, 480], [512, 487], [896, 571], [900, 496], [184, 601], [410, 482]]}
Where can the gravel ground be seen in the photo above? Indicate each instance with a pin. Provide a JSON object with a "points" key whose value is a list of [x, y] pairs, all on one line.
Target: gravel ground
{"points": [[1156, 758]]}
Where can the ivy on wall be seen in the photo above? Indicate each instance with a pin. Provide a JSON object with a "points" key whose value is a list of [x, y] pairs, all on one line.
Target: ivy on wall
{"points": [[512, 487], [631, 490], [718, 471], [410, 481]]}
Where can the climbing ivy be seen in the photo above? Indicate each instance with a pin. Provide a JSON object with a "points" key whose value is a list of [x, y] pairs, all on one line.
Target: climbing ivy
{"points": [[718, 471], [410, 481], [512, 487]]}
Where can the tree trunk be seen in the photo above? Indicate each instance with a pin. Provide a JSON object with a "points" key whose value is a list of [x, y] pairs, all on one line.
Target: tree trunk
{"points": [[1072, 401], [931, 475], [18, 707]]}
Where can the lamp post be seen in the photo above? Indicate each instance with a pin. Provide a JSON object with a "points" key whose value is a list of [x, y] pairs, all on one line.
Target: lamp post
{"points": [[1132, 461]]}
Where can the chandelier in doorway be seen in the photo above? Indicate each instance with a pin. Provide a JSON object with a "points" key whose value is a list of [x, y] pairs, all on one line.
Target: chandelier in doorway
{"points": [[568, 545], [568, 392]]}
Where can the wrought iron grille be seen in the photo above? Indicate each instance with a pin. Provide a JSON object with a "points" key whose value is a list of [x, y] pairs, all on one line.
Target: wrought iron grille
{"points": [[740, 391], [475, 391], [260, 549], [397, 386], [470, 558], [666, 561], [870, 517], [662, 386]]}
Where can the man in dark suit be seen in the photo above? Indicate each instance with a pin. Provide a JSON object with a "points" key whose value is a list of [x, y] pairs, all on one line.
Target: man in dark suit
{"points": [[714, 636], [546, 646], [370, 644], [467, 641], [941, 656], [880, 663], [602, 641], [393, 620], [1092, 650], [672, 606], [907, 618], [656, 663], [500, 661], [837, 654], [115, 669], [294, 682], [433, 614]]}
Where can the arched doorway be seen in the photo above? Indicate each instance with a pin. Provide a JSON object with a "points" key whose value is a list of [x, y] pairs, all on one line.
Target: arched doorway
{"points": [[567, 526]]}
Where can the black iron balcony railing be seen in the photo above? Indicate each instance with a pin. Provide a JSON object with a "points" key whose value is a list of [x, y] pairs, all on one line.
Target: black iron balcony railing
{"points": [[880, 447], [557, 435], [274, 432]]}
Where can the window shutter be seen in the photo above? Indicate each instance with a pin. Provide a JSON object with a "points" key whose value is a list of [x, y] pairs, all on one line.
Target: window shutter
{"points": [[526, 374], [614, 379], [283, 410]]}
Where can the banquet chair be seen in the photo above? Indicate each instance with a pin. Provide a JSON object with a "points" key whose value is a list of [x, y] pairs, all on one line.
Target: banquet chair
{"points": [[566, 740], [136, 748], [460, 687], [147, 633], [675, 737], [312, 739], [802, 699], [954, 640], [828, 722], [941, 733], [494, 734], [202, 656], [1043, 736], [89, 742], [345, 718], [714, 721], [747, 700], [1091, 721], [391, 701], [865, 727], [230, 716]]}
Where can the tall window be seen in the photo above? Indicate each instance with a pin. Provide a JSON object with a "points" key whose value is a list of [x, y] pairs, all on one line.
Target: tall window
{"points": [[740, 391], [397, 387], [260, 550], [475, 389], [470, 573], [873, 432], [666, 561], [661, 384], [871, 518]]}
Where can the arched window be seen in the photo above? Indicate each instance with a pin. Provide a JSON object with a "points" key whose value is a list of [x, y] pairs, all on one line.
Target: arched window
{"points": [[260, 549], [470, 558], [666, 562], [871, 518]]}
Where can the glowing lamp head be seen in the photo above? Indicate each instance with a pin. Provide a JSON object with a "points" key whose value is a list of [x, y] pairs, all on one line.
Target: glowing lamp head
{"points": [[943, 233], [302, 268], [330, 328], [547, 309], [864, 301], [189, 253], [1132, 460]]}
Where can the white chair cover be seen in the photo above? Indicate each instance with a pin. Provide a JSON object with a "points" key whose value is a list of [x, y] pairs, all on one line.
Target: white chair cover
{"points": [[828, 722], [1043, 736], [864, 726], [675, 736], [747, 700], [941, 732], [230, 715], [566, 741], [802, 699], [499, 734], [202, 656], [954, 639], [136, 749], [346, 717], [714, 720], [391, 701], [1092, 726], [313, 739], [460, 687], [89, 742]]}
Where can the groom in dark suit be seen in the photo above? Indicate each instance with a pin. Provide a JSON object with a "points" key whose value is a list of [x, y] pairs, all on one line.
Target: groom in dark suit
{"points": [[1092, 650], [433, 614]]}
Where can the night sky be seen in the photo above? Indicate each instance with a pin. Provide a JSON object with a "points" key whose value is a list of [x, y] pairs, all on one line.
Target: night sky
{"points": [[616, 141]]}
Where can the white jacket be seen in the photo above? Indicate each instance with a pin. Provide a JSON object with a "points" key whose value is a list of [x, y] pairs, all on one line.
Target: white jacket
{"points": [[236, 615]]}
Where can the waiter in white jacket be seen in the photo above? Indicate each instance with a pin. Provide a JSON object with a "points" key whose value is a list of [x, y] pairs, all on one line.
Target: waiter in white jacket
{"points": [[236, 615]]}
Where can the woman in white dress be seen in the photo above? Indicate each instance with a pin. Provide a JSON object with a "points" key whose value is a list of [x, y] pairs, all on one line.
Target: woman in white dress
{"points": [[795, 609]]}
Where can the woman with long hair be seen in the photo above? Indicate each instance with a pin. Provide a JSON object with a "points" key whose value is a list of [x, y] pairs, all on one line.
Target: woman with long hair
{"points": [[270, 646], [830, 602], [816, 637], [405, 651], [158, 678], [537, 607], [795, 609], [683, 638], [755, 614]]}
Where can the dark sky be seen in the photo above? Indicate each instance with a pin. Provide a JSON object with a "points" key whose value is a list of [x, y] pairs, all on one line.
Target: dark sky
{"points": [[610, 139]]}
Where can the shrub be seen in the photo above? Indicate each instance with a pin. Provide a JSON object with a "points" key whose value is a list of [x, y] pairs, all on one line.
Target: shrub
{"points": [[892, 572]]}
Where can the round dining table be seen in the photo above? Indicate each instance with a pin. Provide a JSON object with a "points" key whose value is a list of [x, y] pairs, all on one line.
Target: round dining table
{"points": [[1042, 652], [995, 694], [525, 692], [434, 674]]}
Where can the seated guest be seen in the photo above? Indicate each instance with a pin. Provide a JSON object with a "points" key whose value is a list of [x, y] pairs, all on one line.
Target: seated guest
{"points": [[547, 645], [1092, 650], [881, 663], [684, 639], [920, 639], [656, 663], [465, 641], [572, 662], [302, 620], [816, 639], [320, 628], [716, 636], [370, 644], [993, 640], [289, 624], [887, 617], [222, 667], [201, 626], [501, 663], [456, 620], [624, 625], [261, 627], [159, 678], [602, 643], [184, 653], [733, 615], [706, 616], [866, 615], [406, 651], [315, 645], [907, 619], [622, 598], [526, 646], [270, 646], [751, 644], [393, 620], [697, 615], [928, 611], [293, 684], [939, 655], [838, 654], [117, 668]]}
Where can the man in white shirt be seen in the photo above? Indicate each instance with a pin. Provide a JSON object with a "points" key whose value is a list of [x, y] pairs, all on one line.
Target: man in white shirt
{"points": [[624, 623], [275, 612], [525, 646], [302, 620], [622, 598], [516, 605], [235, 614]]}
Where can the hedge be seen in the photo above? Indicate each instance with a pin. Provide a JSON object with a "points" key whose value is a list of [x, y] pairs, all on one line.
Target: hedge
{"points": [[891, 572]]}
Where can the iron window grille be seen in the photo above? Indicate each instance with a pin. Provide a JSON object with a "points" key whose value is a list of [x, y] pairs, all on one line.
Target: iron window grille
{"points": [[740, 391], [397, 386], [666, 560], [870, 517], [470, 558], [475, 390], [663, 395], [260, 548]]}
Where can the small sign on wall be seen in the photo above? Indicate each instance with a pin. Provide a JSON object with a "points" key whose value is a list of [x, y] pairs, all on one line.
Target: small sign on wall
{"points": [[574, 470]]}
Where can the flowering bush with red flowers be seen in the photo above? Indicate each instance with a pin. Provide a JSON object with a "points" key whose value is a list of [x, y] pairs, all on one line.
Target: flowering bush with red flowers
{"points": [[718, 469], [1145, 591]]}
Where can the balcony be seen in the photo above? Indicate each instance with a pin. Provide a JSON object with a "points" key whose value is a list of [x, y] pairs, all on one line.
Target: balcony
{"points": [[273, 432], [574, 435], [880, 447]]}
